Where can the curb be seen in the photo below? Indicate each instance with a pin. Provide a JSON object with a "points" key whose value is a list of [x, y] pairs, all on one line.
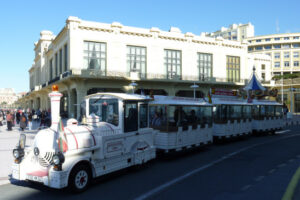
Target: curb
{"points": [[4, 180], [290, 190]]}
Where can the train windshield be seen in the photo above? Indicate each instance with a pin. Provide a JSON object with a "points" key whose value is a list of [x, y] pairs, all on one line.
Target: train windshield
{"points": [[106, 109]]}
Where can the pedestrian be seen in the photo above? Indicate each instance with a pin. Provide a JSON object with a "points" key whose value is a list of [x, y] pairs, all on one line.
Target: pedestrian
{"points": [[30, 121], [18, 116], [23, 122], [9, 119]]}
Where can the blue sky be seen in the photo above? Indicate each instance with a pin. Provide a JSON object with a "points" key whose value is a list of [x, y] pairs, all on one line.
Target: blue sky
{"points": [[22, 21]]}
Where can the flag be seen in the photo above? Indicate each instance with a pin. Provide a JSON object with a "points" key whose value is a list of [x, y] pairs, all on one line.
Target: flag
{"points": [[209, 97], [62, 137]]}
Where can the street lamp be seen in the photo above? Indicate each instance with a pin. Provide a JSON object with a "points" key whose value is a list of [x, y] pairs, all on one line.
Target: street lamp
{"points": [[133, 85], [194, 88]]}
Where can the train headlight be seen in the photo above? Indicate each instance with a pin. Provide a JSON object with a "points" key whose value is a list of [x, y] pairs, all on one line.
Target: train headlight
{"points": [[58, 159], [16, 153], [36, 151]]}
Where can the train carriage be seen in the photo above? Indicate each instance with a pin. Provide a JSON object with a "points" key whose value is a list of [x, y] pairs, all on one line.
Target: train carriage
{"points": [[232, 117], [267, 116], [180, 122]]}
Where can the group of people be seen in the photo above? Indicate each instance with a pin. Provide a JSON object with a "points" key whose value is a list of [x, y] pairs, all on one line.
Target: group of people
{"points": [[24, 119]]}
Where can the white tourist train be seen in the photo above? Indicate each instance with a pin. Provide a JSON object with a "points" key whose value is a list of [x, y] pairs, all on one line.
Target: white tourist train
{"points": [[180, 122], [114, 135], [122, 130]]}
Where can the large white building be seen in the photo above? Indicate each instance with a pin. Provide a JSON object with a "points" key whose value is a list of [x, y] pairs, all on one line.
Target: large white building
{"points": [[236, 32], [7, 96], [87, 57]]}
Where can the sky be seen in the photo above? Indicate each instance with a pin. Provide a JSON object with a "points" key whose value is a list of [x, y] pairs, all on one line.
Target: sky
{"points": [[21, 22]]}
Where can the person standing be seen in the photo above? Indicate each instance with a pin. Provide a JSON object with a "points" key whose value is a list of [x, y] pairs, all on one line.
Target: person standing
{"points": [[23, 122], [30, 121], [18, 116], [9, 119]]}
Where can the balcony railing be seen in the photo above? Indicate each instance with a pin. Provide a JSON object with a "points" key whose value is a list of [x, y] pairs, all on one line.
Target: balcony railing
{"points": [[87, 73]]}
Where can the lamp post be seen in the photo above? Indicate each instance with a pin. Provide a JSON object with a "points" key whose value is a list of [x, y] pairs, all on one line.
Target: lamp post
{"points": [[133, 85], [194, 88]]}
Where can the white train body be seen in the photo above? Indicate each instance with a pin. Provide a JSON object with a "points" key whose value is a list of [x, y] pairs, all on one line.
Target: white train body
{"points": [[122, 130], [267, 116], [232, 117], [102, 147], [177, 128]]}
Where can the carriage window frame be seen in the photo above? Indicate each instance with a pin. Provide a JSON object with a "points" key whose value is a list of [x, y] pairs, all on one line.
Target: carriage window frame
{"points": [[143, 116], [134, 126]]}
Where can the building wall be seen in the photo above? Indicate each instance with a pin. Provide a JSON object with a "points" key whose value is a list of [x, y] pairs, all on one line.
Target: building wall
{"points": [[288, 43], [75, 80]]}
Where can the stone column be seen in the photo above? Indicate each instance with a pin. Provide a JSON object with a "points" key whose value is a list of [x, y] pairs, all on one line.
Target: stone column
{"points": [[81, 93]]}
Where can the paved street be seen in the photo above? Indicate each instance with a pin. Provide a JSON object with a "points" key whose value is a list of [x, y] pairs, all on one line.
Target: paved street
{"points": [[255, 168]]}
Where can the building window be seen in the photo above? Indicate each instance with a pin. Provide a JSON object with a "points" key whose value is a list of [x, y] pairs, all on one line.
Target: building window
{"points": [[296, 54], [285, 46], [296, 37], [277, 46], [60, 61], [276, 55], [234, 38], [286, 63], [258, 40], [286, 38], [263, 76], [136, 60], [296, 45], [286, 54], [51, 69], [94, 56], [66, 57], [268, 47], [276, 39], [277, 64], [233, 68], [258, 48], [56, 65], [204, 65], [296, 63], [263, 67], [173, 64], [267, 39], [250, 48]]}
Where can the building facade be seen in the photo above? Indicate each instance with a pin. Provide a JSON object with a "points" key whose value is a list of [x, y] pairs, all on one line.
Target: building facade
{"points": [[236, 32], [88, 57], [284, 49], [7, 97]]}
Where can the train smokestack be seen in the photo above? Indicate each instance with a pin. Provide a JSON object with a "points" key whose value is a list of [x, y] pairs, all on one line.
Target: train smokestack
{"points": [[55, 106]]}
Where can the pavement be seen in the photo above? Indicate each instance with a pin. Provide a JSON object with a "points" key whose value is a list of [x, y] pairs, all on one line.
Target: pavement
{"points": [[8, 141]]}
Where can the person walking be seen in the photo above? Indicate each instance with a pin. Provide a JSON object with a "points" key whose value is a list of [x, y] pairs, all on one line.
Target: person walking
{"points": [[30, 121], [9, 119], [23, 121]]}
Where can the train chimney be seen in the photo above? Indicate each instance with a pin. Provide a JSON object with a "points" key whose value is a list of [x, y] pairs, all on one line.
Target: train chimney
{"points": [[55, 106]]}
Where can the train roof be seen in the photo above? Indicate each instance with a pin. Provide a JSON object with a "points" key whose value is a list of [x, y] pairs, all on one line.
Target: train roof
{"points": [[173, 100], [265, 102], [238, 101], [122, 96]]}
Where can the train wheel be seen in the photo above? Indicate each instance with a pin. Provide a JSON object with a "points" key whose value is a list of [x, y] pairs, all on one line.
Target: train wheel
{"points": [[80, 178]]}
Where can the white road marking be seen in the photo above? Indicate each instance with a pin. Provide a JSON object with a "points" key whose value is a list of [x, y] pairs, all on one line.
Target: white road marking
{"points": [[195, 171], [259, 178], [281, 165], [282, 132], [246, 187], [271, 171]]}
